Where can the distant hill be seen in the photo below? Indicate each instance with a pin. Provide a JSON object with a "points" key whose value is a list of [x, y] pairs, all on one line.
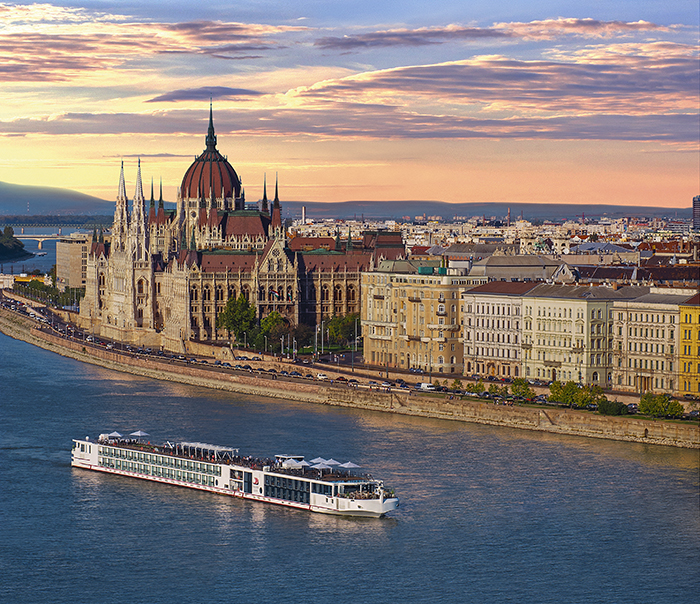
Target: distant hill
{"points": [[530, 211], [57, 202], [49, 200]]}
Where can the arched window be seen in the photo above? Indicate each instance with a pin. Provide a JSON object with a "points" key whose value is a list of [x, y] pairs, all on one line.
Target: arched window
{"points": [[194, 294], [289, 293], [338, 293], [595, 376], [139, 286], [246, 292], [351, 293], [206, 294], [325, 293], [232, 292]]}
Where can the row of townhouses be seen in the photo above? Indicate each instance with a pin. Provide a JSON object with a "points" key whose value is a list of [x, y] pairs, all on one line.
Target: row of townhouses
{"points": [[434, 319]]}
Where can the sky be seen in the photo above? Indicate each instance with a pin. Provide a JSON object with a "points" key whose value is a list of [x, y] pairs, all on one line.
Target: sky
{"points": [[541, 101]]}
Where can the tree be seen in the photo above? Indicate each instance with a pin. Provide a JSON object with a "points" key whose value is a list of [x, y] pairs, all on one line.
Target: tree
{"points": [[612, 408], [456, 385], [573, 395], [341, 330], [238, 317], [520, 387], [496, 390], [661, 405]]}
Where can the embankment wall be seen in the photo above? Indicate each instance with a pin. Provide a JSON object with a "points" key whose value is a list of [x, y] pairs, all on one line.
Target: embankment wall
{"points": [[554, 420]]}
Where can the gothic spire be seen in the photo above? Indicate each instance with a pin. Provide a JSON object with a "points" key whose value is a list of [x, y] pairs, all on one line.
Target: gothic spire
{"points": [[276, 217], [122, 184], [211, 137], [139, 186], [160, 200], [264, 207], [153, 201]]}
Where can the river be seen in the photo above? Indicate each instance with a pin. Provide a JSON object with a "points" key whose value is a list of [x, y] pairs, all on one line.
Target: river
{"points": [[487, 514]]}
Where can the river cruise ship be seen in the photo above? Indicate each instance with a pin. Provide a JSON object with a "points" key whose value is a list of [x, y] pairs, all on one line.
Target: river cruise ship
{"points": [[320, 486]]}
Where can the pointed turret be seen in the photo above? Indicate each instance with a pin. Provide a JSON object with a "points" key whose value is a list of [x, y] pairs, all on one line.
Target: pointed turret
{"points": [[160, 199], [138, 230], [153, 201], [138, 194], [276, 219], [122, 184], [264, 206], [121, 214]]}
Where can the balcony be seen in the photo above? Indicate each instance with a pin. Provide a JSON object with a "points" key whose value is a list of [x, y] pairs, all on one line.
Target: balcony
{"points": [[414, 299], [552, 363], [378, 296], [441, 313]]}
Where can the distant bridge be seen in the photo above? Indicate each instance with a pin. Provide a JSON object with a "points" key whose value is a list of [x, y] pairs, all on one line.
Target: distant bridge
{"points": [[40, 238]]}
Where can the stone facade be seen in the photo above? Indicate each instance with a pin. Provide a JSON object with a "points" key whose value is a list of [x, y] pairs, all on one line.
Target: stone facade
{"points": [[411, 318]]}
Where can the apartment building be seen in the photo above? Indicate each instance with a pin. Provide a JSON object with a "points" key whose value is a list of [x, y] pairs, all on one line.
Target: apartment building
{"points": [[689, 347], [492, 328], [71, 260], [568, 332], [411, 317], [647, 335]]}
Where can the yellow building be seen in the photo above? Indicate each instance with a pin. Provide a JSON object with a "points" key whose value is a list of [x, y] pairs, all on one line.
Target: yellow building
{"points": [[411, 317], [689, 348]]}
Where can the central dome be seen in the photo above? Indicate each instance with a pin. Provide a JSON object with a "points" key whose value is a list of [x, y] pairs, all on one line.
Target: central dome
{"points": [[211, 174]]}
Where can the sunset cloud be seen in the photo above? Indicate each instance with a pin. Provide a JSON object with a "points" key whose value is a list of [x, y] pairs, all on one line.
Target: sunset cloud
{"points": [[44, 43], [204, 93], [394, 93], [535, 30]]}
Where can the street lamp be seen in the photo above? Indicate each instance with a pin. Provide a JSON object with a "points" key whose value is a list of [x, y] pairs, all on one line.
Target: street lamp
{"points": [[265, 343], [281, 346], [245, 340], [355, 334], [321, 337]]}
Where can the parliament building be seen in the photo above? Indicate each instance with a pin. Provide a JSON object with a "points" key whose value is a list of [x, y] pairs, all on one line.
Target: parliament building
{"points": [[164, 275]]}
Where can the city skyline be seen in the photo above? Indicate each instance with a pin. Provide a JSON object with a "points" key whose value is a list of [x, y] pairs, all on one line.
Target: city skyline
{"points": [[549, 103]]}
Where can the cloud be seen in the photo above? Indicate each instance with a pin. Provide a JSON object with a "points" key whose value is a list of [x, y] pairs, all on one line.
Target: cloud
{"points": [[539, 30], [40, 43], [549, 29], [641, 81], [347, 121], [198, 94], [406, 37]]}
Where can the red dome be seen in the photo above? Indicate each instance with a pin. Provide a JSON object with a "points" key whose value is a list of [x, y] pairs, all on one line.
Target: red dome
{"points": [[211, 171]]}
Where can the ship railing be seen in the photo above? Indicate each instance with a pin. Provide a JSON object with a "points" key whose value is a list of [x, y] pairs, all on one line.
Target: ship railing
{"points": [[359, 495]]}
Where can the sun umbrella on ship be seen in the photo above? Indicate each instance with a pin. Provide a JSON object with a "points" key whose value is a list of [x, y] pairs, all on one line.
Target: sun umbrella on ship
{"points": [[304, 464], [349, 465], [318, 460], [320, 467], [139, 434], [114, 434], [332, 462]]}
